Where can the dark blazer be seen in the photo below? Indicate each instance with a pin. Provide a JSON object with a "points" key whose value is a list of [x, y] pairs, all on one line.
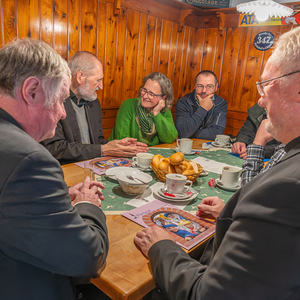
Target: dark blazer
{"points": [[255, 251], [44, 240], [66, 145]]}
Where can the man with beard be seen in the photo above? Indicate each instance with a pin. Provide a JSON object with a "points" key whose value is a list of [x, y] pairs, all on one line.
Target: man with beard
{"points": [[201, 114], [80, 135], [255, 251]]}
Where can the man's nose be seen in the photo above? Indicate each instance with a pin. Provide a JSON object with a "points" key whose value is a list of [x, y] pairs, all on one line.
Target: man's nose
{"points": [[260, 102]]}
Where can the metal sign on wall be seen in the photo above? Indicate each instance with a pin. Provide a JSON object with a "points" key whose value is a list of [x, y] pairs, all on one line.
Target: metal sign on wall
{"points": [[250, 20], [264, 40], [209, 3]]}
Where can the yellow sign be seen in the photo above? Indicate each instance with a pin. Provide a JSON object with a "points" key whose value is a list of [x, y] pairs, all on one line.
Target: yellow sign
{"points": [[250, 20]]}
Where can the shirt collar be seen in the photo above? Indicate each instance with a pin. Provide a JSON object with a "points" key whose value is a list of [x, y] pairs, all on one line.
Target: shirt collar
{"points": [[292, 144], [75, 99]]}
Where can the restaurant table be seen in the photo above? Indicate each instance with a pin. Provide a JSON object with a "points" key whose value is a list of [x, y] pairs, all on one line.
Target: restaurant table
{"points": [[126, 273]]}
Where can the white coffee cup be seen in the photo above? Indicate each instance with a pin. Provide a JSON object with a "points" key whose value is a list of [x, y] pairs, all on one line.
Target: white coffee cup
{"points": [[185, 145], [222, 139], [230, 176], [143, 160], [175, 183]]}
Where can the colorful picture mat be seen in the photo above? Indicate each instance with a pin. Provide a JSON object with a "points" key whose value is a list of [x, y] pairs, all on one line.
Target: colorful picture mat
{"points": [[187, 229], [104, 163]]}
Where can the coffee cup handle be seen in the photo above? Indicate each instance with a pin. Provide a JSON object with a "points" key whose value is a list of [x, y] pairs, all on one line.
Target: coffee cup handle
{"points": [[178, 141], [189, 183], [217, 140], [134, 159]]}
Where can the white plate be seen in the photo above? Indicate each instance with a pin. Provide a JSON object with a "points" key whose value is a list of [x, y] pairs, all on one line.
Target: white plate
{"points": [[111, 173], [191, 153], [122, 176], [136, 166], [228, 188], [215, 144], [158, 187]]}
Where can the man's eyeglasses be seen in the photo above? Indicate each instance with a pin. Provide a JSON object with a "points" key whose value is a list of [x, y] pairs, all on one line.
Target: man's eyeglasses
{"points": [[150, 94], [261, 85], [208, 87]]}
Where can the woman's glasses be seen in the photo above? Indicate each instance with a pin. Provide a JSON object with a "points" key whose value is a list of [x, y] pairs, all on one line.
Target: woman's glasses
{"points": [[150, 94]]}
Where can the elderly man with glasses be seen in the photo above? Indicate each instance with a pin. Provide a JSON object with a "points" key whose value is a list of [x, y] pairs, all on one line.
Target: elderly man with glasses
{"points": [[202, 113], [80, 135], [255, 251]]}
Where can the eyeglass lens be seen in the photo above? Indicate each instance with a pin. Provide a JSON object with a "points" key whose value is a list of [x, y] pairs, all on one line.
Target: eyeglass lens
{"points": [[150, 94], [208, 87]]}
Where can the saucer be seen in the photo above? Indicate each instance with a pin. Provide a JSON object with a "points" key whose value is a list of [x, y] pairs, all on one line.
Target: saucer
{"points": [[111, 173], [191, 153], [215, 144], [136, 166], [204, 173], [228, 188]]}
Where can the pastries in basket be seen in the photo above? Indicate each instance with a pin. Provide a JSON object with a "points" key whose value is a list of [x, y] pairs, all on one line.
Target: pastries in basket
{"points": [[174, 164]]}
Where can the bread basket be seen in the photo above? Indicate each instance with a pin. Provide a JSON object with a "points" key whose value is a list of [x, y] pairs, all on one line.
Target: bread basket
{"points": [[162, 175]]}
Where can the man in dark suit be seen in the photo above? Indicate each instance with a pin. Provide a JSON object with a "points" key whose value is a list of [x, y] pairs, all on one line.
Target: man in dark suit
{"points": [[80, 135], [255, 251], [49, 234]]}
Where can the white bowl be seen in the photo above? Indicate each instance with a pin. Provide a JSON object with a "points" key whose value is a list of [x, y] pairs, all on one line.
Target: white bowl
{"points": [[133, 187]]}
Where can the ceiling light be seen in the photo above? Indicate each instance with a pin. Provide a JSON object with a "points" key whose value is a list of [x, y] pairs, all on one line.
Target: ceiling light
{"points": [[264, 9]]}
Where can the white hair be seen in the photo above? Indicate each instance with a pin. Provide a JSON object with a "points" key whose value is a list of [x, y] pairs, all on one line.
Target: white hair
{"points": [[27, 57]]}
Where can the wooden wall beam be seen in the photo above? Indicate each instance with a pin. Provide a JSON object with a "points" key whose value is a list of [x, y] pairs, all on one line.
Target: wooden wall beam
{"points": [[183, 14], [117, 7]]}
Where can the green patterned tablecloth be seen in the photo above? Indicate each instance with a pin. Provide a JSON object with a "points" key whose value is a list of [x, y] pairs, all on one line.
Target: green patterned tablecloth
{"points": [[115, 198]]}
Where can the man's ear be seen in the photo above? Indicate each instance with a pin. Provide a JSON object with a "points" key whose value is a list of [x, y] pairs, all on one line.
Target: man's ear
{"points": [[79, 77], [31, 90]]}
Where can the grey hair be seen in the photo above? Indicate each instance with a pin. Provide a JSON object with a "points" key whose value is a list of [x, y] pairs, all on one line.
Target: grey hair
{"points": [[27, 57], [207, 73], [165, 85], [286, 53], [82, 61]]}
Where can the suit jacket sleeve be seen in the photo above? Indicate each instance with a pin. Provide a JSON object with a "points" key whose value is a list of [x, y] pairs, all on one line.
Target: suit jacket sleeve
{"points": [[40, 226], [66, 145]]}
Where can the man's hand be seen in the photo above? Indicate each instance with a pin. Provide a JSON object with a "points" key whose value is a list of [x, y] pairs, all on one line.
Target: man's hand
{"points": [[206, 102], [126, 147], [262, 137], [147, 237], [213, 205], [160, 105], [87, 191], [239, 148]]}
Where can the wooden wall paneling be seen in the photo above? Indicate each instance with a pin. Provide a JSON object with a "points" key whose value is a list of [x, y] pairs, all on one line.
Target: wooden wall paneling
{"points": [[231, 51], [150, 49], [241, 68], [219, 55], [73, 27], [89, 26], [120, 56], [172, 53], [178, 62], [195, 57], [9, 20], [60, 28], [156, 45], [166, 40], [132, 36], [253, 67], [1, 26], [110, 57], [101, 42], [28, 21], [209, 49], [46, 33], [185, 49], [141, 52]]}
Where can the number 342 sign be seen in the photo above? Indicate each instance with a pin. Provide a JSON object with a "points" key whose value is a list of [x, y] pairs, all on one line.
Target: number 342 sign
{"points": [[264, 40]]}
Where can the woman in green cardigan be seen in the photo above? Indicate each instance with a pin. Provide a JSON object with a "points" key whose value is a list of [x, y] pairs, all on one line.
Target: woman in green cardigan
{"points": [[148, 117]]}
